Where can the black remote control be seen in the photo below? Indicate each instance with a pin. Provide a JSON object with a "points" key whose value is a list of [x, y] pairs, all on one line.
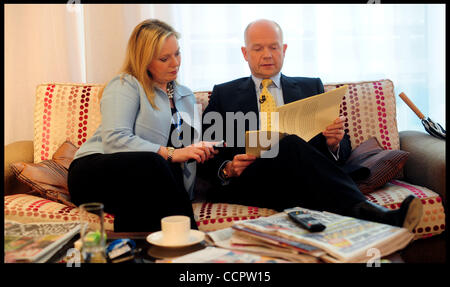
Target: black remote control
{"points": [[306, 221], [218, 146]]}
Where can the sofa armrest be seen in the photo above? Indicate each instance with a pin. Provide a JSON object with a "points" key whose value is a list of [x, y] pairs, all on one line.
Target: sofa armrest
{"points": [[14, 152], [426, 162]]}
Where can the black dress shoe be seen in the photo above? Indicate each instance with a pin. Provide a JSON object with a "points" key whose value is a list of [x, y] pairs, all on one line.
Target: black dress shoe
{"points": [[407, 216]]}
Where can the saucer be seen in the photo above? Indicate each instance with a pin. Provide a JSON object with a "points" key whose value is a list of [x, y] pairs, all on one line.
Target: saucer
{"points": [[156, 238]]}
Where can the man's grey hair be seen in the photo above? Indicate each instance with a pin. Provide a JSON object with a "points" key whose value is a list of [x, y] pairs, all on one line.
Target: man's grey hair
{"points": [[251, 23]]}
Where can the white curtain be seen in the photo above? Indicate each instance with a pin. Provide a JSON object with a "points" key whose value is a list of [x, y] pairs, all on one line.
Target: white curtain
{"points": [[58, 43]]}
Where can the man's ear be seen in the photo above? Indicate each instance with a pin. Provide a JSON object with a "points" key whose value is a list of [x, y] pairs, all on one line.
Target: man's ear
{"points": [[284, 48], [244, 52]]}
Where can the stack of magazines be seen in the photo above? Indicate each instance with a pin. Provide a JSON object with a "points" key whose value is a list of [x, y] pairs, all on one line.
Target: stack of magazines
{"points": [[345, 239], [36, 242]]}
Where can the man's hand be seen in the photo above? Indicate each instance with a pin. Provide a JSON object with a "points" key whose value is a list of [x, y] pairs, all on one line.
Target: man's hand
{"points": [[334, 133], [239, 164]]}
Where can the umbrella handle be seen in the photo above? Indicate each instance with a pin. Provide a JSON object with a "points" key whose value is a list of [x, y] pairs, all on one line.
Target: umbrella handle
{"points": [[411, 105]]}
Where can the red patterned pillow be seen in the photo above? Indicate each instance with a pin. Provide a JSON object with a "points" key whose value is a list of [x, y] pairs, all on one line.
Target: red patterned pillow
{"points": [[64, 112], [48, 179], [369, 109]]}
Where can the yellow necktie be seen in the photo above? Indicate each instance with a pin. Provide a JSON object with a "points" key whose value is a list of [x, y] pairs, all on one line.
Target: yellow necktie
{"points": [[267, 105]]}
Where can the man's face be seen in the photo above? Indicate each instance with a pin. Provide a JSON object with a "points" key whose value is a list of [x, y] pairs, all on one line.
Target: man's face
{"points": [[264, 50]]}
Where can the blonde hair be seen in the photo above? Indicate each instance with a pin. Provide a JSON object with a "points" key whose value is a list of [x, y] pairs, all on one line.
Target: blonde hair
{"points": [[143, 46]]}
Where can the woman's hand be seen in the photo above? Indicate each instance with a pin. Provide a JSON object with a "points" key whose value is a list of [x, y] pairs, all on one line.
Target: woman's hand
{"points": [[200, 152]]}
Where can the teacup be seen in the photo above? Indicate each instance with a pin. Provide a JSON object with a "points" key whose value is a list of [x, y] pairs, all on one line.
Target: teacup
{"points": [[175, 229]]}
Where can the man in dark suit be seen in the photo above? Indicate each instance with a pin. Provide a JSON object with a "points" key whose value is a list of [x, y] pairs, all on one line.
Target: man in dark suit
{"points": [[306, 174]]}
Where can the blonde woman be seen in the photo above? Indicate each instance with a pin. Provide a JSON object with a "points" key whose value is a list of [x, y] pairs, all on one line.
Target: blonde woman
{"points": [[141, 161]]}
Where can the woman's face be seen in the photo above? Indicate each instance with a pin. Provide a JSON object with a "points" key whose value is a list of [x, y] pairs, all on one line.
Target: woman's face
{"points": [[164, 67]]}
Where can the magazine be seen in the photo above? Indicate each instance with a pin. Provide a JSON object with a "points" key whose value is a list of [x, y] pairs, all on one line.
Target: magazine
{"points": [[36, 242], [345, 239], [232, 239], [219, 255]]}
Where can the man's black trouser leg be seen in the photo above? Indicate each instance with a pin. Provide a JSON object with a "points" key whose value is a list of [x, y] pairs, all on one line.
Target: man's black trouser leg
{"points": [[299, 176]]}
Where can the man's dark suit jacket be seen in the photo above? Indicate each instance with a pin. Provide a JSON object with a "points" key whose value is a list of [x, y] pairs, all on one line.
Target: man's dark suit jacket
{"points": [[240, 96]]}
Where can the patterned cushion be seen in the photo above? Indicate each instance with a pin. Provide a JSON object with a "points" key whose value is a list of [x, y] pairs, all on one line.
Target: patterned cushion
{"points": [[369, 108], [64, 112], [48, 179], [392, 194], [28, 208], [216, 216], [383, 165]]}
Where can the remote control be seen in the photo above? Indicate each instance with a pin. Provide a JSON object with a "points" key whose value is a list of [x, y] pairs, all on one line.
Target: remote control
{"points": [[306, 221], [218, 146]]}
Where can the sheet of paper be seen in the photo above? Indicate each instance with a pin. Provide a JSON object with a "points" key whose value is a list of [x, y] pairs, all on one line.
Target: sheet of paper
{"points": [[308, 117]]}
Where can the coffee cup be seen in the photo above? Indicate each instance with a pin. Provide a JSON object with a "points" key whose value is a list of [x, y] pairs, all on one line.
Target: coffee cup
{"points": [[175, 229]]}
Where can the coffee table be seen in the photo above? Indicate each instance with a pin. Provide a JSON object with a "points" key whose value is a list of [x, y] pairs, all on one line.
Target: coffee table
{"points": [[148, 253]]}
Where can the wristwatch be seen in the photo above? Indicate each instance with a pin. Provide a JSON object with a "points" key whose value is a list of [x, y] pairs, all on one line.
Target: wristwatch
{"points": [[224, 173], [170, 151]]}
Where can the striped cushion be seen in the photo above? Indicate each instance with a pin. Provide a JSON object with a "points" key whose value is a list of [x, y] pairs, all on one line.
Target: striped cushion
{"points": [[48, 178], [383, 165]]}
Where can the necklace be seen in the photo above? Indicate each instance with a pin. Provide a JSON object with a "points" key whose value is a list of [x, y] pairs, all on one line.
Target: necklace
{"points": [[170, 90]]}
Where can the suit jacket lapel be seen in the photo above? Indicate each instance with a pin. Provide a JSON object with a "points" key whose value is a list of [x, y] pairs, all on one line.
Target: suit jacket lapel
{"points": [[291, 91], [247, 98]]}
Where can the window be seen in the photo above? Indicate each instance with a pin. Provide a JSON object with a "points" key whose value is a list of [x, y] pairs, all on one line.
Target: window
{"points": [[404, 43]]}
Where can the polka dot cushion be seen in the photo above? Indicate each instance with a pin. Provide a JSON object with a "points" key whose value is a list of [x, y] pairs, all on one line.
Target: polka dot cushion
{"points": [[392, 194], [64, 112], [369, 109], [216, 216], [28, 208]]}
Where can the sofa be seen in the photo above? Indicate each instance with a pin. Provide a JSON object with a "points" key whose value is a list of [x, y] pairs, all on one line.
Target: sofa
{"points": [[66, 114]]}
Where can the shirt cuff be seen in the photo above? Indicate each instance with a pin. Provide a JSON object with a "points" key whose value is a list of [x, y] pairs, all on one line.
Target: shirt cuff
{"points": [[223, 180], [336, 156]]}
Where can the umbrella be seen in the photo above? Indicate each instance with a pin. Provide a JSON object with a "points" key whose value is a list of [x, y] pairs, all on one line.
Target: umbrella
{"points": [[431, 127]]}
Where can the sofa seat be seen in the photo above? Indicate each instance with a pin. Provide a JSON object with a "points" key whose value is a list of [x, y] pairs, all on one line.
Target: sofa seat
{"points": [[71, 112], [214, 216], [28, 208]]}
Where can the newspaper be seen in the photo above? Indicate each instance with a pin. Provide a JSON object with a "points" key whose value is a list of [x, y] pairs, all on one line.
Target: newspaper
{"points": [[232, 239], [345, 239], [36, 242], [305, 118], [308, 117], [219, 255]]}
